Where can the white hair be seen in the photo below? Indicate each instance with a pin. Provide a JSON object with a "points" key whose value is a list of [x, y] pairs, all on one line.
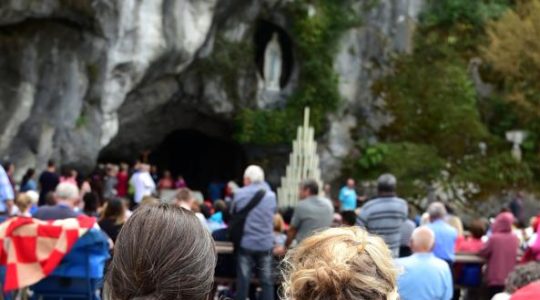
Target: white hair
{"points": [[254, 173], [67, 191], [33, 195], [423, 237]]}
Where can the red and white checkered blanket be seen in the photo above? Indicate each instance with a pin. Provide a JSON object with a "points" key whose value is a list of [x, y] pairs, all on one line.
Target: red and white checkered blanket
{"points": [[31, 249]]}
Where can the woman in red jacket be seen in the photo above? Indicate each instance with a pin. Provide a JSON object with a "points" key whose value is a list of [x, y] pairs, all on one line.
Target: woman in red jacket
{"points": [[501, 253]]}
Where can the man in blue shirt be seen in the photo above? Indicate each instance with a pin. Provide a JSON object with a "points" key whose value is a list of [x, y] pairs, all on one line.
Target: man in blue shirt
{"points": [[6, 193], [347, 196], [445, 235], [424, 277], [258, 236]]}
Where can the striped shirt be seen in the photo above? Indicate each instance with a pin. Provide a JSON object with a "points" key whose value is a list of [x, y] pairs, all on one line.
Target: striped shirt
{"points": [[384, 217]]}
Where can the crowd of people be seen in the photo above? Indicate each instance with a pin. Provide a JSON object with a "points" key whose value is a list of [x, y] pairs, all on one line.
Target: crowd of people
{"points": [[348, 248]]}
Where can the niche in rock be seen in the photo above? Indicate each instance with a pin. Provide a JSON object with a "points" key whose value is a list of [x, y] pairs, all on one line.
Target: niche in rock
{"points": [[200, 159], [275, 65]]}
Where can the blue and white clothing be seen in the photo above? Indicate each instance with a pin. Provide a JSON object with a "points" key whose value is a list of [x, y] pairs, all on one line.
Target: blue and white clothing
{"points": [[347, 197], [6, 190], [445, 240], [424, 277], [259, 226]]}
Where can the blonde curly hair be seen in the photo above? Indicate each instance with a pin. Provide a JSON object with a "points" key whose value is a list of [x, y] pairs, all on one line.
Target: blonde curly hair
{"points": [[340, 264]]}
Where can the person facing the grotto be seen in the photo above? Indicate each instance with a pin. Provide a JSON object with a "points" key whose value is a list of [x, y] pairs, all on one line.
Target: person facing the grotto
{"points": [[385, 215], [48, 180]]}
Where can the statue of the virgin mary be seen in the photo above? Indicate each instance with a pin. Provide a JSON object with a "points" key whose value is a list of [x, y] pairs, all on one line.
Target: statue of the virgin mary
{"points": [[272, 64]]}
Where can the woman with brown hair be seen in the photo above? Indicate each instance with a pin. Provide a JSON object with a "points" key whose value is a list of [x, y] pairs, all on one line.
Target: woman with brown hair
{"points": [[340, 264], [162, 252], [114, 217]]}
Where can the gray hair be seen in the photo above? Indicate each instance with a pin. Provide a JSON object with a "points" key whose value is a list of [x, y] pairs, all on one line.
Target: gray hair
{"points": [[254, 173], [311, 185], [436, 210], [386, 183], [67, 191], [522, 275]]}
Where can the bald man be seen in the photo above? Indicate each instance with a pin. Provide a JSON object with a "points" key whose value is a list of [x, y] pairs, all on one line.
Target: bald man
{"points": [[424, 275]]}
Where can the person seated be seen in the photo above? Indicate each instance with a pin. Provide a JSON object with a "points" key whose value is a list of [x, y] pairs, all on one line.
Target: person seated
{"points": [[50, 250], [113, 218], [66, 196], [217, 220], [177, 263], [23, 202], [344, 263], [424, 276], [35, 199]]}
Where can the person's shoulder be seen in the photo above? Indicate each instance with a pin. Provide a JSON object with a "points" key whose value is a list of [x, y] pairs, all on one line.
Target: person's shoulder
{"points": [[374, 202], [400, 200], [43, 211], [451, 230], [439, 264], [44, 208], [409, 223], [405, 261], [241, 191], [325, 201]]}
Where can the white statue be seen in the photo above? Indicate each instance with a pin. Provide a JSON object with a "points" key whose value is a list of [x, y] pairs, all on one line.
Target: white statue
{"points": [[516, 137], [272, 64]]}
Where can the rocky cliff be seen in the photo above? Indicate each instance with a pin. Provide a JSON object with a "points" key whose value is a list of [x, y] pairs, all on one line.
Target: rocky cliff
{"points": [[84, 78]]}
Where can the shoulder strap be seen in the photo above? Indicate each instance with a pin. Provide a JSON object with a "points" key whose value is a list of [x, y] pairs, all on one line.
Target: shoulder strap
{"points": [[253, 202]]}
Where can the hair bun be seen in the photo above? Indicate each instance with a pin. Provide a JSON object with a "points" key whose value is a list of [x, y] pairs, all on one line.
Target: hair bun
{"points": [[318, 281]]}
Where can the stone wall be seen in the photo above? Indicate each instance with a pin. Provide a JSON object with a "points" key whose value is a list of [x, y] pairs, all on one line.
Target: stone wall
{"points": [[80, 78]]}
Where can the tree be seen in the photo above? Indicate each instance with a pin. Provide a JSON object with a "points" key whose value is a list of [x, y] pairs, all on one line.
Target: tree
{"points": [[514, 52]]}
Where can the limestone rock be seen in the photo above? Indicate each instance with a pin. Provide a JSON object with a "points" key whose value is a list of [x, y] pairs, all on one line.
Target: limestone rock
{"points": [[84, 78]]}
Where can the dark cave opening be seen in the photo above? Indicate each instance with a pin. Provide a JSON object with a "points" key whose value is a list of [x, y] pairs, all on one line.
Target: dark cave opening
{"points": [[263, 35], [199, 158]]}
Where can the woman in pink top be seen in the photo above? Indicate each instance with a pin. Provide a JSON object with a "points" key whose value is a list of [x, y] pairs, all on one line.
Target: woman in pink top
{"points": [[501, 253], [167, 182], [474, 242]]}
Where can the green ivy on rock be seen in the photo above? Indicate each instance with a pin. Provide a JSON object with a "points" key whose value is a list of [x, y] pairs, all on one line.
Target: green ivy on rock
{"points": [[316, 40]]}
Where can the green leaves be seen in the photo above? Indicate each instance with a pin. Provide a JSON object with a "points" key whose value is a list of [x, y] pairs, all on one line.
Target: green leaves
{"points": [[439, 124]]}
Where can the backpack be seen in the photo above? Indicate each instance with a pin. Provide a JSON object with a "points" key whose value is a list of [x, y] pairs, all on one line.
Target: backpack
{"points": [[238, 219]]}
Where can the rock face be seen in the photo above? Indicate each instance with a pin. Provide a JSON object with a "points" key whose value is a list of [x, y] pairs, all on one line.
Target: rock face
{"points": [[84, 78], [68, 66]]}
